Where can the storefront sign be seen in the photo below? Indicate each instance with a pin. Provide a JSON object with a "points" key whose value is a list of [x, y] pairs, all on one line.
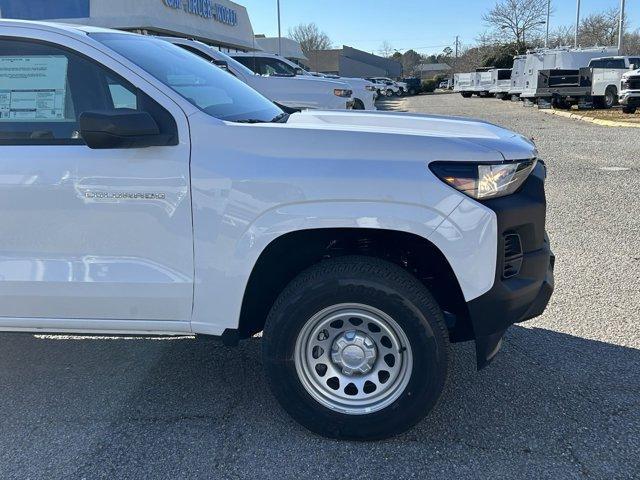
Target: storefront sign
{"points": [[205, 9]]}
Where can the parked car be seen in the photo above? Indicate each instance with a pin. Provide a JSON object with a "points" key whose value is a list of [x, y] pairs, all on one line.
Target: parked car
{"points": [[446, 84], [414, 85], [149, 192], [500, 83], [630, 91], [557, 59], [517, 77], [368, 89], [294, 92], [269, 64], [386, 86]]}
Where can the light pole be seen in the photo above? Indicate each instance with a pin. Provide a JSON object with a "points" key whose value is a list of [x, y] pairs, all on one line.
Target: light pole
{"points": [[575, 40], [621, 27], [546, 38], [279, 32]]}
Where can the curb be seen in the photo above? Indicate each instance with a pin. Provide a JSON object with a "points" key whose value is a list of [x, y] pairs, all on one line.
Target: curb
{"points": [[597, 121]]}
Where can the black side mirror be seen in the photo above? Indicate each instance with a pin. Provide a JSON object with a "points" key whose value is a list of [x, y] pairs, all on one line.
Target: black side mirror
{"points": [[121, 128]]}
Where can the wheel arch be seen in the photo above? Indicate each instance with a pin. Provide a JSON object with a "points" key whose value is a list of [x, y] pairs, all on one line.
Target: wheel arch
{"points": [[291, 253]]}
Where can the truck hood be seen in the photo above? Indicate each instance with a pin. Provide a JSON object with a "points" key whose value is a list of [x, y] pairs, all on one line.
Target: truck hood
{"points": [[511, 145]]}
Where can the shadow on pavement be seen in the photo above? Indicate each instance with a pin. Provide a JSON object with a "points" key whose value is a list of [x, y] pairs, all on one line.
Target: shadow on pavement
{"points": [[551, 405]]}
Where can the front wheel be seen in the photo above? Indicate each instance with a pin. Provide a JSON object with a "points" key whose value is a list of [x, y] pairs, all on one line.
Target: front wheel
{"points": [[628, 109], [389, 93], [356, 348]]}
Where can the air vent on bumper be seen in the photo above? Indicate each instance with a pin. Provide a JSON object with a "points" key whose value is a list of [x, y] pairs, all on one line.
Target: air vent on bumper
{"points": [[512, 255]]}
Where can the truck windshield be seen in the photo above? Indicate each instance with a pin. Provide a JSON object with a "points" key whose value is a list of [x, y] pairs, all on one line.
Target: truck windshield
{"points": [[203, 84]]}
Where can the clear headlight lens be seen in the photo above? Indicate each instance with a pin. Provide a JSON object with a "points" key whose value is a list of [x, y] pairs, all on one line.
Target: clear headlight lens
{"points": [[484, 181], [342, 92]]}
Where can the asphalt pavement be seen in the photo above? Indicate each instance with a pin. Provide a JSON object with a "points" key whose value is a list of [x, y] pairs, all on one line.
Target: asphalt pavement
{"points": [[561, 401]]}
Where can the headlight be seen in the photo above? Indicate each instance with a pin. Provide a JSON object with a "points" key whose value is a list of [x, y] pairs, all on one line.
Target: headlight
{"points": [[342, 92], [484, 181]]}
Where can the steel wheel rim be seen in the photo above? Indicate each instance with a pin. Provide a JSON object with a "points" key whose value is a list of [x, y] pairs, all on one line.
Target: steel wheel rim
{"points": [[333, 358]]}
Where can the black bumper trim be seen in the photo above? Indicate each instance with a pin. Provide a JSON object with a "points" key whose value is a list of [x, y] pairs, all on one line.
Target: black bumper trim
{"points": [[525, 295]]}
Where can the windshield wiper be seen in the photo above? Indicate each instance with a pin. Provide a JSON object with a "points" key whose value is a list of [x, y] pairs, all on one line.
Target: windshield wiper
{"points": [[282, 118], [249, 120]]}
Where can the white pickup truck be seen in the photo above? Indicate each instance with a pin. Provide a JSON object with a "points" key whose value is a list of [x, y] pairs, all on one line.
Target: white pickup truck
{"points": [[293, 92], [630, 91], [147, 192], [268, 64]]}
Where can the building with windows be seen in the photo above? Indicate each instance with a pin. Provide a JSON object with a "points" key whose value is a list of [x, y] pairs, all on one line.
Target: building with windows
{"points": [[428, 71], [220, 23], [351, 62]]}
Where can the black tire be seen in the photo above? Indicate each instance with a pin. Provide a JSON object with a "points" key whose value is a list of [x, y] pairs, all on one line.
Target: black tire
{"points": [[560, 103], [383, 286], [466, 94], [412, 91], [389, 93], [610, 98], [628, 109], [358, 104]]}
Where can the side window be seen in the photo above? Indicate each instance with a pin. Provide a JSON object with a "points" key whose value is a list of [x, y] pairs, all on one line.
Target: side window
{"points": [[273, 66], [597, 64], [251, 63], [618, 63], [44, 89]]}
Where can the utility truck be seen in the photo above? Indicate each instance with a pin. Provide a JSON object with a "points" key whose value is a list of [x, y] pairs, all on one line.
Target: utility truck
{"points": [[500, 83], [517, 77], [598, 84], [145, 191], [556, 59]]}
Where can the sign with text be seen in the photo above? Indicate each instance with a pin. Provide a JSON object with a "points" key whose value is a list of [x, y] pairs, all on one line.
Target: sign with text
{"points": [[205, 9], [33, 87]]}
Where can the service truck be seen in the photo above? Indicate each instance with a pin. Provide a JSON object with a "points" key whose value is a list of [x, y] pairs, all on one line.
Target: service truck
{"points": [[597, 84], [500, 83], [145, 191]]}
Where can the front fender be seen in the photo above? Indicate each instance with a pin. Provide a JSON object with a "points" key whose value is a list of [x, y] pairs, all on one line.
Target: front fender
{"points": [[220, 287]]}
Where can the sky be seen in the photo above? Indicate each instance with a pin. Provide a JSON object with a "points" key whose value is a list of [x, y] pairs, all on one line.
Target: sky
{"points": [[427, 26]]}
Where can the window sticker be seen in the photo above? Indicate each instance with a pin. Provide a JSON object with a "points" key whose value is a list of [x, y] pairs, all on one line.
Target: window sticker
{"points": [[33, 87]]}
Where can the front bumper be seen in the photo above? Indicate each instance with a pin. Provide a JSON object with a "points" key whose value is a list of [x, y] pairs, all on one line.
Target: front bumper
{"points": [[524, 281], [630, 98]]}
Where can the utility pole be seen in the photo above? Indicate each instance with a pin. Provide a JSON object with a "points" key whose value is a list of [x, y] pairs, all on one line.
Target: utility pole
{"points": [[575, 41], [621, 27], [546, 38], [279, 32], [455, 61]]}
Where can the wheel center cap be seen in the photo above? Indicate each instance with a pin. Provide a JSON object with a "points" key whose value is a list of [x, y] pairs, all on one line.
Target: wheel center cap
{"points": [[354, 352]]}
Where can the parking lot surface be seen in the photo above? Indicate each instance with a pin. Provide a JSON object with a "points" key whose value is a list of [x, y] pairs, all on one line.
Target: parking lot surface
{"points": [[562, 400]]}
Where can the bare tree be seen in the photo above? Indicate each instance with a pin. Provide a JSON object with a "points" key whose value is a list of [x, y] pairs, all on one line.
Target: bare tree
{"points": [[597, 29], [600, 28], [310, 38], [386, 49], [511, 20]]}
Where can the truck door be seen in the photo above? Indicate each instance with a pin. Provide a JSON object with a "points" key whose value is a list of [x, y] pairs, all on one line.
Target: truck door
{"points": [[88, 236]]}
